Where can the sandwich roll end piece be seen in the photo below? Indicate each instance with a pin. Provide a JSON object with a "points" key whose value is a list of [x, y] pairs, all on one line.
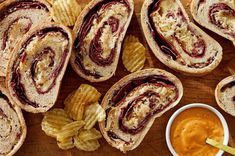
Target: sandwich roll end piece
{"points": [[133, 103], [177, 42], [17, 17], [216, 15], [99, 33], [37, 67], [225, 95], [12, 125]]}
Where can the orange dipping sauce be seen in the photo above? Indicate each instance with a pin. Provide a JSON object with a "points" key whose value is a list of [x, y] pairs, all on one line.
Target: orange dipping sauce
{"points": [[191, 128]]}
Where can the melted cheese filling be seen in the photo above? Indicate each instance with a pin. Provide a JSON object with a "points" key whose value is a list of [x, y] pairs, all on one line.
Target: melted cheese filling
{"points": [[18, 29], [45, 66], [165, 96], [107, 40], [171, 24], [227, 21]]}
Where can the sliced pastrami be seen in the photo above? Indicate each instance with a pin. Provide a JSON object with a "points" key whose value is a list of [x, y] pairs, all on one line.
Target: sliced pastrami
{"points": [[96, 51], [129, 86], [15, 6], [8, 30], [227, 11], [198, 45], [137, 113], [19, 5], [16, 84], [149, 100]]}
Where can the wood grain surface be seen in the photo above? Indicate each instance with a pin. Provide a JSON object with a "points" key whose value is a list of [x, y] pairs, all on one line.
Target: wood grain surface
{"points": [[196, 89]]}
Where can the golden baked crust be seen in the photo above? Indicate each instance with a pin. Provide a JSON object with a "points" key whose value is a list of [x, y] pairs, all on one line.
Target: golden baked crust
{"points": [[16, 19], [215, 15], [37, 67], [225, 95], [177, 42], [130, 110], [96, 51]]}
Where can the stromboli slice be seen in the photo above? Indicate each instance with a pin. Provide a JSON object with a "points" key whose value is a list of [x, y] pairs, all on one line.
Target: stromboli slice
{"points": [[225, 94], [177, 42], [12, 125], [37, 67], [100, 30], [216, 15], [17, 17], [133, 103]]}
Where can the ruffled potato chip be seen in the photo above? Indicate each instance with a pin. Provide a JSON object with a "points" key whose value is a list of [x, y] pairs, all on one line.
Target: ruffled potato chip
{"points": [[88, 146], [134, 54], [130, 39], [69, 130], [91, 134], [75, 103], [67, 101], [66, 143], [65, 11], [93, 113], [51, 1], [54, 120]]}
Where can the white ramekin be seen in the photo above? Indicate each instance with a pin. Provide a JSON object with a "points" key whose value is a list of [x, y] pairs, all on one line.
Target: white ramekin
{"points": [[220, 116]]}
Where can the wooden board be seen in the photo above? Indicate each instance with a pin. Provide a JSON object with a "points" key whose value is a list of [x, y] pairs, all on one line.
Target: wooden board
{"points": [[197, 89]]}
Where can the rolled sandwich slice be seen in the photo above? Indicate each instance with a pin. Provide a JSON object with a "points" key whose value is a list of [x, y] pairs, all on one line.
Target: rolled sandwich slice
{"points": [[17, 17], [216, 15], [37, 67], [133, 103], [225, 95], [100, 30], [177, 42], [12, 125]]}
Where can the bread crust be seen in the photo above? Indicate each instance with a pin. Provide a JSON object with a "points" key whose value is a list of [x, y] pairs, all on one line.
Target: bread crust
{"points": [[109, 95], [218, 94], [168, 61], [26, 107], [7, 3], [77, 27], [22, 122], [193, 9]]}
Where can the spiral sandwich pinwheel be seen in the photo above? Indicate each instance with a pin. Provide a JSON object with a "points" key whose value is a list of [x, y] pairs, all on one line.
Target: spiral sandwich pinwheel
{"points": [[17, 17], [133, 103], [177, 42], [216, 15], [37, 67], [100, 30]]}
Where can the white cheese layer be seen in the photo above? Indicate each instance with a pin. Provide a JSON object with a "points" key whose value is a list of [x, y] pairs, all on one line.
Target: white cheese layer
{"points": [[18, 29], [226, 20], [170, 23], [107, 40], [46, 65], [162, 97]]}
